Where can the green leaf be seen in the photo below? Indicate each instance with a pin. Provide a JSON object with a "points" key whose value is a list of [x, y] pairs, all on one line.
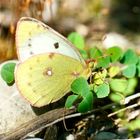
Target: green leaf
{"points": [[132, 83], [99, 77], [86, 104], [116, 97], [129, 57], [133, 125], [129, 71], [7, 72], [70, 100], [113, 71], [102, 90], [115, 53], [80, 86], [77, 40], [95, 53], [138, 67], [103, 62], [84, 54], [118, 85], [105, 136]]}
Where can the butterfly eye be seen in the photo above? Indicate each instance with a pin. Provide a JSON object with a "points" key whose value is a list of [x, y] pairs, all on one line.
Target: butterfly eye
{"points": [[56, 45]]}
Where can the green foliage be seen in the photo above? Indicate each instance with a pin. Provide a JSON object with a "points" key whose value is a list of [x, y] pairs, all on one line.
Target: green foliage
{"points": [[87, 103], [102, 90], [129, 71], [95, 53], [103, 62], [105, 136], [113, 71], [118, 85], [81, 90], [115, 53], [7, 73], [131, 64], [80, 86], [121, 88], [129, 57], [133, 125], [131, 85], [114, 75], [84, 54], [138, 67], [116, 97], [99, 77], [70, 100], [77, 40]]}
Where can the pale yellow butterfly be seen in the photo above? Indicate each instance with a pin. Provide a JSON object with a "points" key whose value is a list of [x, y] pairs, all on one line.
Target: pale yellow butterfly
{"points": [[49, 63]]}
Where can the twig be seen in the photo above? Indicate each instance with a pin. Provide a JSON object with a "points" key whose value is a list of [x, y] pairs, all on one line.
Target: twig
{"points": [[121, 110], [129, 98], [133, 114], [37, 124]]}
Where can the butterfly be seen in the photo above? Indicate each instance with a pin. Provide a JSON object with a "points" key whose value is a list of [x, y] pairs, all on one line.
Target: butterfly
{"points": [[49, 63]]}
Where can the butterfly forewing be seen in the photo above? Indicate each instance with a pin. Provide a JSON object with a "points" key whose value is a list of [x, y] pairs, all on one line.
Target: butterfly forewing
{"points": [[45, 78], [33, 37]]}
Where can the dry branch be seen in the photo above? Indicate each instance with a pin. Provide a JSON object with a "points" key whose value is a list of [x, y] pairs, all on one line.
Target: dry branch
{"points": [[37, 124]]}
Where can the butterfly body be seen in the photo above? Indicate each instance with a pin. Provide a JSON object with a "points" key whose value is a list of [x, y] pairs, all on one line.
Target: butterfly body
{"points": [[48, 63]]}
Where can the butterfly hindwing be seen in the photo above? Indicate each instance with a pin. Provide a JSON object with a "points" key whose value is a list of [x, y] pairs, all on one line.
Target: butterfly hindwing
{"points": [[45, 78]]}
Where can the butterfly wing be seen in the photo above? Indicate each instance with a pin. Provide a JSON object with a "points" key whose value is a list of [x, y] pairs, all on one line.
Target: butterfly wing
{"points": [[34, 37], [45, 78]]}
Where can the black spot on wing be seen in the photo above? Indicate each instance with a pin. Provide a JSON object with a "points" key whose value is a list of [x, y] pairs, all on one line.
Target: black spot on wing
{"points": [[29, 44], [31, 53], [56, 45]]}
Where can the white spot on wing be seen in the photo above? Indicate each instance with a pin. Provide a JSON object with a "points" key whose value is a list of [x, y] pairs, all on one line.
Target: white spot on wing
{"points": [[49, 72]]}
